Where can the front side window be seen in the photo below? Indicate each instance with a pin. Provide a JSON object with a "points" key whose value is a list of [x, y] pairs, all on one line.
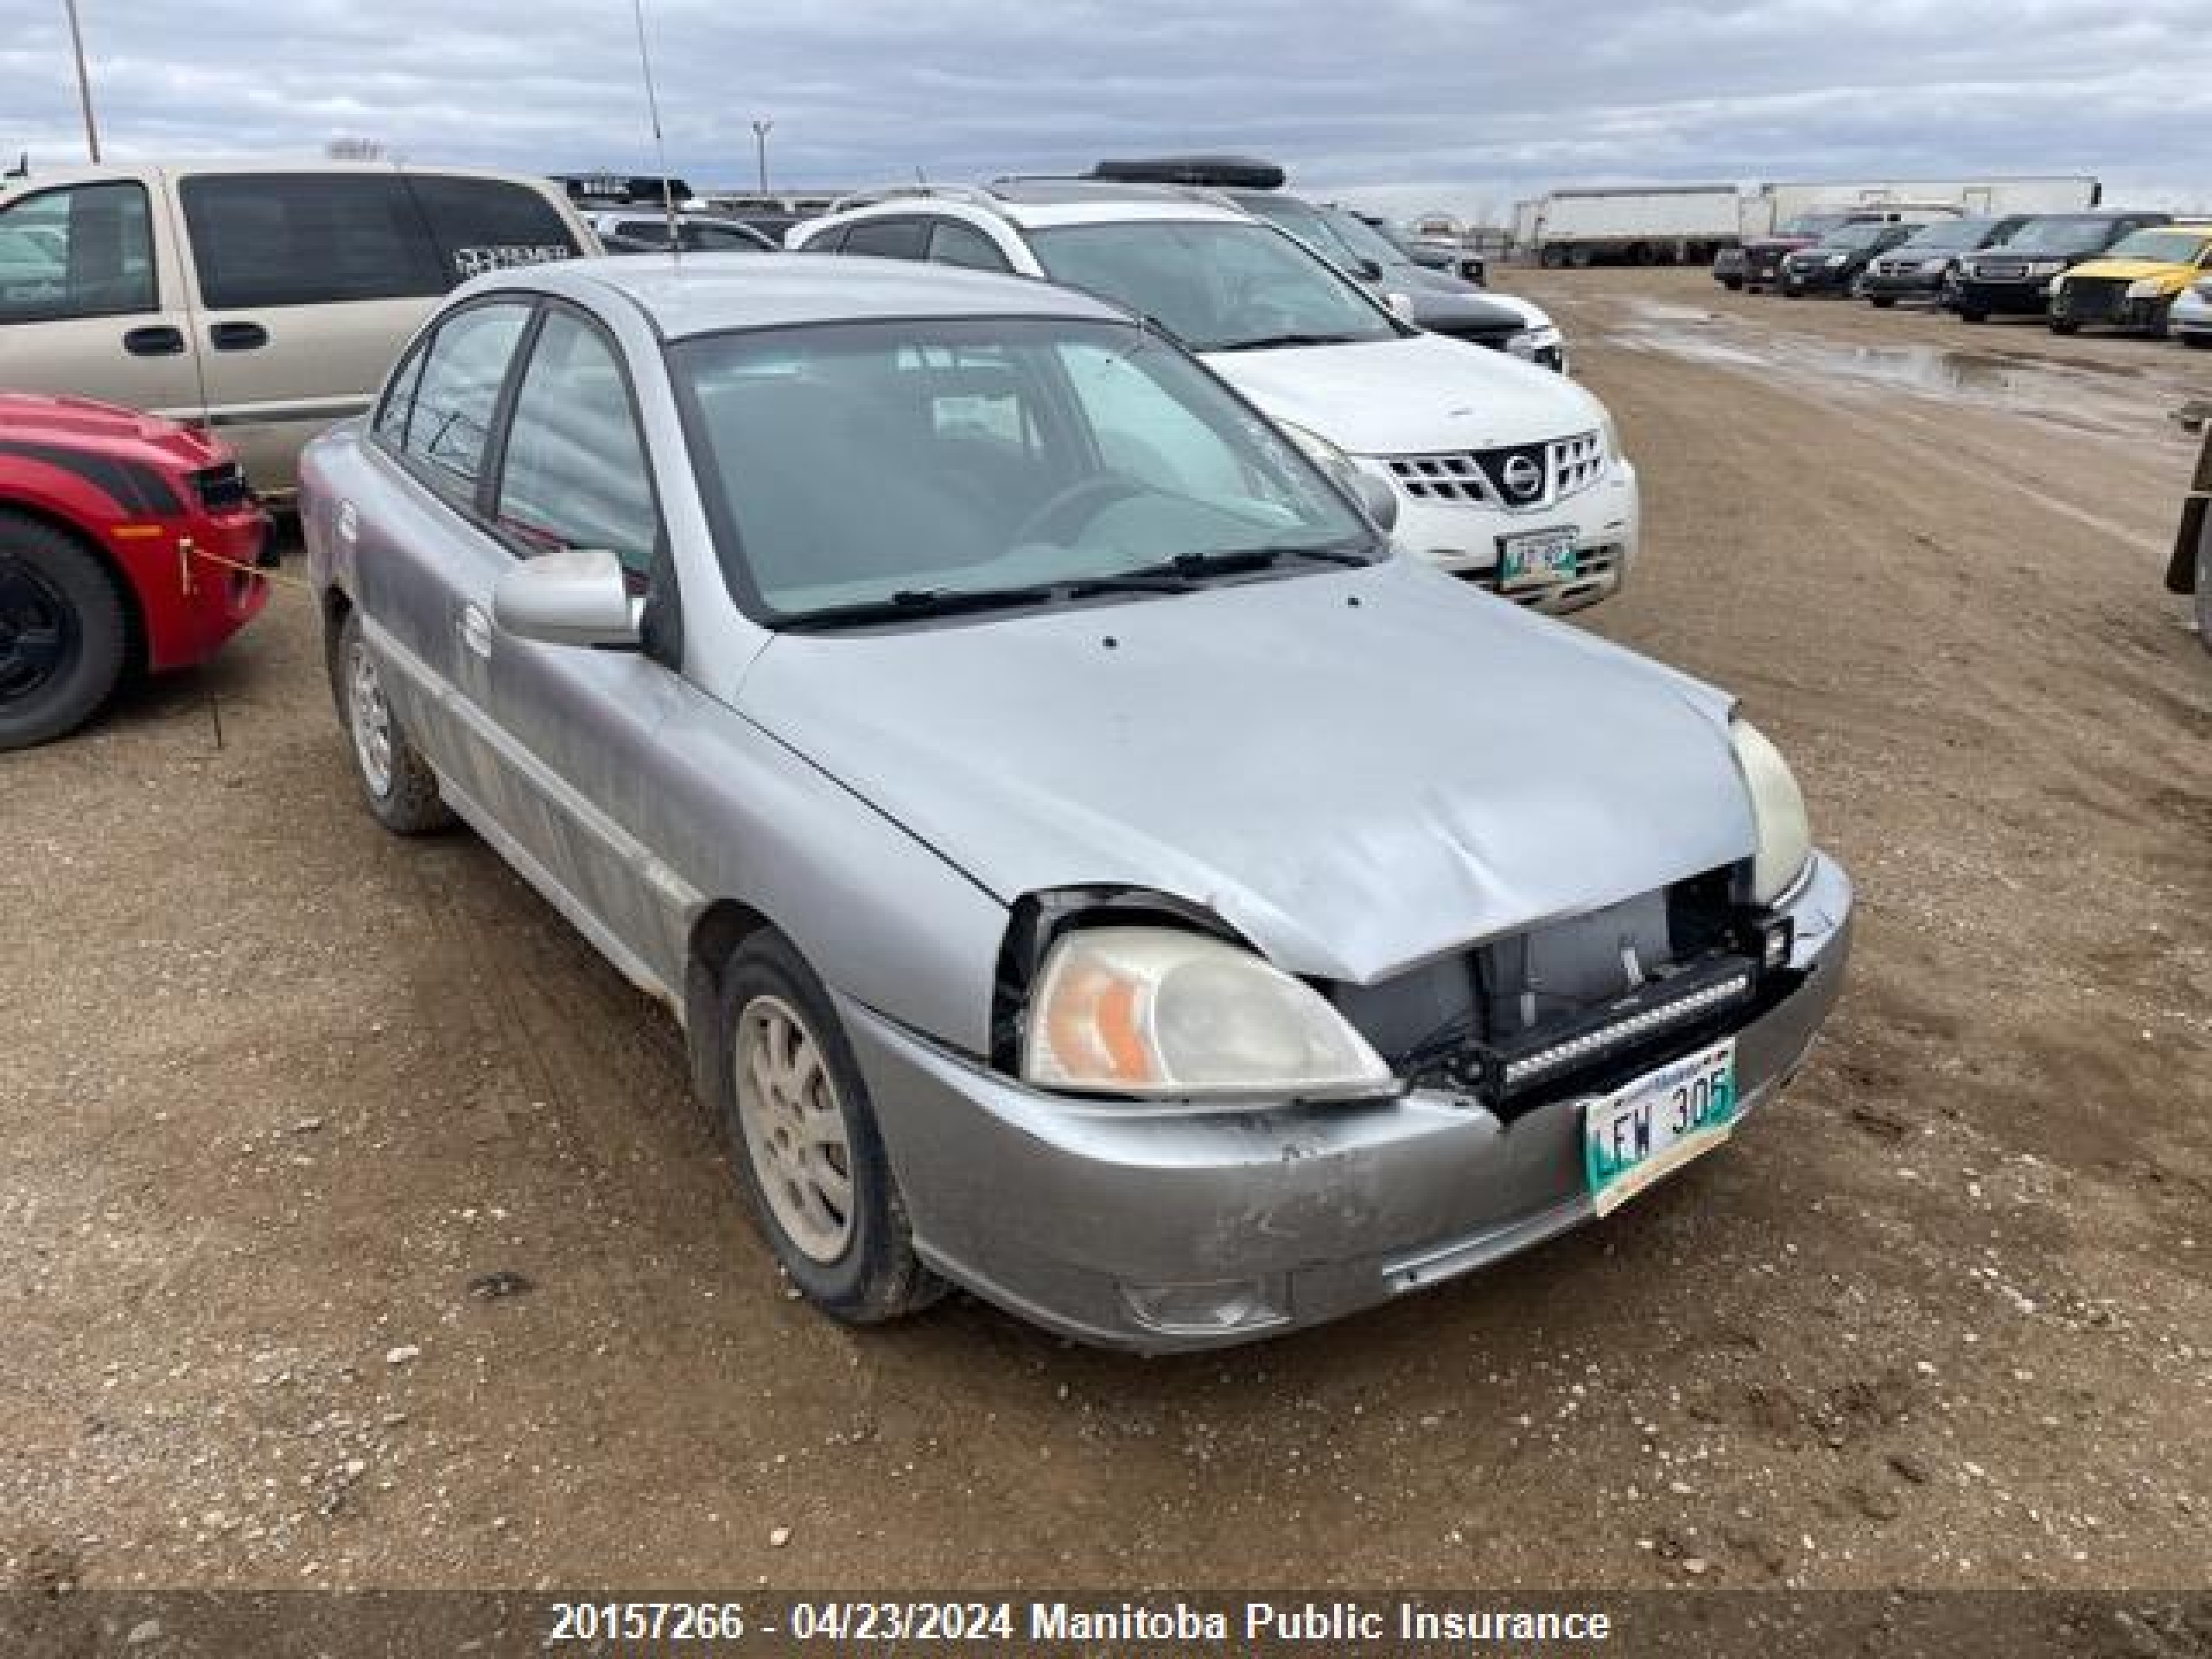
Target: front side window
{"points": [[449, 424], [2059, 233], [273, 239], [888, 464], [84, 251], [1216, 285], [575, 470]]}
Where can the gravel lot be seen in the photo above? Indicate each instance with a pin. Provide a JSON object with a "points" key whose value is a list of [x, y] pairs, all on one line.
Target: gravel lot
{"points": [[279, 1087]]}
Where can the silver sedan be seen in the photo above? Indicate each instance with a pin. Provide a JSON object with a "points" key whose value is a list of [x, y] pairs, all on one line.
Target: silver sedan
{"points": [[1089, 866]]}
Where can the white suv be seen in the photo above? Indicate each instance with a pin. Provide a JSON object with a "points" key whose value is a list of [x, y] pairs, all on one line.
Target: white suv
{"points": [[1507, 474]]}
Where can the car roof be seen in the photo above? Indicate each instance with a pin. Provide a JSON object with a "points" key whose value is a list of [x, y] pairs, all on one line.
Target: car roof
{"points": [[713, 293], [1038, 204]]}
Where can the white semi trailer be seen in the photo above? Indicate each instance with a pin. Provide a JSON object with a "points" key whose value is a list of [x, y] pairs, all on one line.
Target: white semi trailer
{"points": [[1767, 206], [1636, 224]]}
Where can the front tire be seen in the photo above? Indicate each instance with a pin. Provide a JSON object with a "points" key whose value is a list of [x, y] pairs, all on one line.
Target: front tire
{"points": [[1881, 301], [64, 637], [1967, 314], [1734, 284], [396, 780], [802, 1133], [2060, 325]]}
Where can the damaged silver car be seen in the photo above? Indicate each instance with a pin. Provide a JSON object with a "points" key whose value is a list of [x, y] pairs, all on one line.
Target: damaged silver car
{"points": [[1089, 867]]}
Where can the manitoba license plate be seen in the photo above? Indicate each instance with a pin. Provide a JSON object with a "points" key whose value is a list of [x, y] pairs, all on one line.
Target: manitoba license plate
{"points": [[1641, 1132], [1535, 559]]}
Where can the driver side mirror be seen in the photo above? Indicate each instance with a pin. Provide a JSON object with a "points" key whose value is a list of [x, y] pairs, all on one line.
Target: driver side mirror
{"points": [[1377, 499], [579, 598]]}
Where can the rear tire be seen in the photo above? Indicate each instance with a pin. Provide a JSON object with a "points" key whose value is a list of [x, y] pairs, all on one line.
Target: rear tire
{"points": [[1967, 315], [2195, 342], [397, 782], [64, 640], [1734, 284], [803, 1133]]}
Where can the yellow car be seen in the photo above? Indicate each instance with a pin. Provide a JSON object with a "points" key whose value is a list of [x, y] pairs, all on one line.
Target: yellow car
{"points": [[2132, 283]]}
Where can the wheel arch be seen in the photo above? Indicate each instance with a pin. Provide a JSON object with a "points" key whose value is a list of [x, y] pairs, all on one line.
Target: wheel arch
{"points": [[138, 641], [721, 928]]}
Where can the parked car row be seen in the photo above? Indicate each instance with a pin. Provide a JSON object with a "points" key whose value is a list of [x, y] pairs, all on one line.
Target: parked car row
{"points": [[2143, 271]]}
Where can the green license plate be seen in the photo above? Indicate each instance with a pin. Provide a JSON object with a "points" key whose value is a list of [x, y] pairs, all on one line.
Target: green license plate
{"points": [[1537, 559], [1639, 1133]]}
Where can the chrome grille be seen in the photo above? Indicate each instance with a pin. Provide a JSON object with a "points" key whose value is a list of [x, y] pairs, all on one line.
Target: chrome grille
{"points": [[1500, 478]]}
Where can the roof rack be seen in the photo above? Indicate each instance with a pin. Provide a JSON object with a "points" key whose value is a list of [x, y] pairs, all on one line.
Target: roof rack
{"points": [[974, 195], [1222, 172]]}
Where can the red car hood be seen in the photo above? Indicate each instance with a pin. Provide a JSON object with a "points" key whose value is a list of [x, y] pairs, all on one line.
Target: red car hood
{"points": [[79, 423]]}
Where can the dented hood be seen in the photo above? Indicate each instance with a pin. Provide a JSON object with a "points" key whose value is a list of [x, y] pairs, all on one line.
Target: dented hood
{"points": [[1353, 787]]}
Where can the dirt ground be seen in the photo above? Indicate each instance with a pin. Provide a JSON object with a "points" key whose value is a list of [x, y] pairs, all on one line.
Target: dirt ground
{"points": [[277, 1088]]}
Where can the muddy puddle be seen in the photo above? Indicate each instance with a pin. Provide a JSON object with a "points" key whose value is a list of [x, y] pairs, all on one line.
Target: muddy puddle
{"points": [[2116, 399]]}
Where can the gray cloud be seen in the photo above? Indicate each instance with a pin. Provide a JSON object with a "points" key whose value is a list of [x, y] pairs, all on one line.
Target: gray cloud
{"points": [[1458, 103]]}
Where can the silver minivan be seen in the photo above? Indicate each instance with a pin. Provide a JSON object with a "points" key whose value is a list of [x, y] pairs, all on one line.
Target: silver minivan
{"points": [[265, 300]]}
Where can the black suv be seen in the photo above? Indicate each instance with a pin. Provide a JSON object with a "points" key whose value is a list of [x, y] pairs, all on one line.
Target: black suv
{"points": [[2014, 280], [1924, 268], [1832, 265]]}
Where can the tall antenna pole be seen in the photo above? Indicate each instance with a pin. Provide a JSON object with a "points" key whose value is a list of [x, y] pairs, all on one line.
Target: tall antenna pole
{"points": [[660, 144], [760, 131], [84, 80]]}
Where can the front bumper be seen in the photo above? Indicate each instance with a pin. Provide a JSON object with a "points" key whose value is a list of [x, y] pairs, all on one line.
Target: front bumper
{"points": [[1462, 538], [1817, 279], [191, 605], [1879, 284], [2025, 298], [1161, 1232]]}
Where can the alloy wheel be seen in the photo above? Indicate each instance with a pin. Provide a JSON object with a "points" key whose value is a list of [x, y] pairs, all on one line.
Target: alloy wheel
{"points": [[40, 639], [370, 717], [794, 1128]]}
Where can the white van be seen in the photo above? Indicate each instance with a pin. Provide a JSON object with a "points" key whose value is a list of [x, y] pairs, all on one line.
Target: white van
{"points": [[265, 300]]}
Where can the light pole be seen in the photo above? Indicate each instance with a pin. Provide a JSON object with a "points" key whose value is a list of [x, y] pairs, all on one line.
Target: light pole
{"points": [[760, 130], [84, 80]]}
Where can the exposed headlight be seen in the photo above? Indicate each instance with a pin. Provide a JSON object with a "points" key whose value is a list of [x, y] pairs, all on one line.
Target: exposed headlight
{"points": [[2045, 267], [1931, 267], [1785, 838], [1155, 1011], [2146, 287]]}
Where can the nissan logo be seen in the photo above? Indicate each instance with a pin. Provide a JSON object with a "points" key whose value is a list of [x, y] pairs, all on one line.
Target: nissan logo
{"points": [[1524, 480]]}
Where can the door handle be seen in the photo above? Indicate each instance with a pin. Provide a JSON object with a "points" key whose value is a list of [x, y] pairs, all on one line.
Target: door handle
{"points": [[158, 341], [237, 336]]}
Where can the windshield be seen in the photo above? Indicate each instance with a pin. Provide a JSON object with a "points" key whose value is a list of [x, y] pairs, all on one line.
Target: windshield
{"points": [[1856, 236], [1217, 285], [2163, 247], [2059, 233], [1950, 235], [898, 465]]}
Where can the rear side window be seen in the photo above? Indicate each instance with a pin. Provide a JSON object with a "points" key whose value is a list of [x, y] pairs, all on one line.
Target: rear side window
{"points": [[888, 238], [574, 473], [306, 239], [86, 250], [952, 243], [450, 420], [481, 224]]}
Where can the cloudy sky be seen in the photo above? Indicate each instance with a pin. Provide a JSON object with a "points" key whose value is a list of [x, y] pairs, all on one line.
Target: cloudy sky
{"points": [[1410, 104]]}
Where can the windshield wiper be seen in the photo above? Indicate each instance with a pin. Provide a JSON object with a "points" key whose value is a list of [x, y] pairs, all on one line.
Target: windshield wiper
{"points": [[911, 603], [1235, 561], [1270, 342]]}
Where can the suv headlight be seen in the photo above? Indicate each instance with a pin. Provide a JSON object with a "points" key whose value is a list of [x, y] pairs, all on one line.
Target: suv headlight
{"points": [[2146, 287], [1836, 259], [1929, 267], [1158, 1012], [1784, 835]]}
